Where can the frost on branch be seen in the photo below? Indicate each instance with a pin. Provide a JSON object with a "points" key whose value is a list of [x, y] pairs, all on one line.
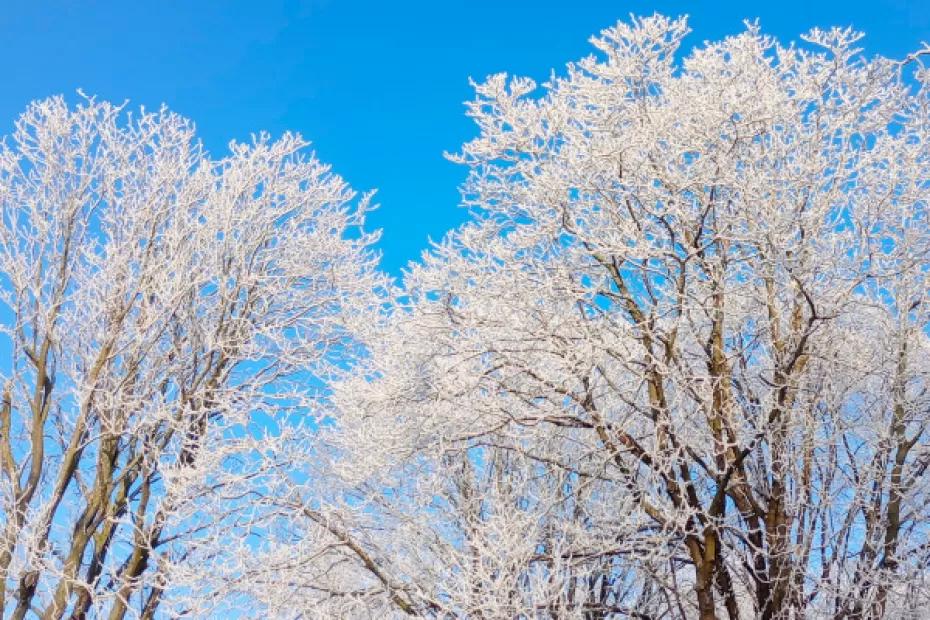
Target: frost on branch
{"points": [[168, 320], [676, 366]]}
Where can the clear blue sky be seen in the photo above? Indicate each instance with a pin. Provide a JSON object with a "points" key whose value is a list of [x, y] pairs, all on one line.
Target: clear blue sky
{"points": [[377, 86]]}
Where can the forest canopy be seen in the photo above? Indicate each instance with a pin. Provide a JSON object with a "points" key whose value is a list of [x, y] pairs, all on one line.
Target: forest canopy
{"points": [[673, 366]]}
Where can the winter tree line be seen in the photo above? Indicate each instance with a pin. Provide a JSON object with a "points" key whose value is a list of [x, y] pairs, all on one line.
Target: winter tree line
{"points": [[675, 365]]}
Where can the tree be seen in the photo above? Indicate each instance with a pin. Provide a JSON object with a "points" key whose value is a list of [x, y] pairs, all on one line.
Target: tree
{"points": [[169, 322], [676, 366]]}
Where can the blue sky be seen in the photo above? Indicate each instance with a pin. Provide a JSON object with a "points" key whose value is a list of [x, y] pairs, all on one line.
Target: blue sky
{"points": [[377, 86]]}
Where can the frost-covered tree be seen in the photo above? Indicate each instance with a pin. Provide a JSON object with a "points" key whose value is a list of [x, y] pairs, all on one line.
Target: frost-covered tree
{"points": [[676, 366], [168, 322]]}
